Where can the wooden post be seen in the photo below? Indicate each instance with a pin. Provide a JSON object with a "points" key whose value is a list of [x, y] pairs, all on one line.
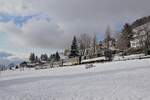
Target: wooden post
{"points": [[80, 58], [62, 63]]}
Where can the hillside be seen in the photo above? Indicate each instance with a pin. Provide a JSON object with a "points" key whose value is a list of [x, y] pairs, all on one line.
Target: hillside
{"points": [[140, 21], [120, 80]]}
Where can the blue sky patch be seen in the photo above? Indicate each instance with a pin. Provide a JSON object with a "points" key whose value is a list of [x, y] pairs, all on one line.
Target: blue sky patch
{"points": [[18, 20]]}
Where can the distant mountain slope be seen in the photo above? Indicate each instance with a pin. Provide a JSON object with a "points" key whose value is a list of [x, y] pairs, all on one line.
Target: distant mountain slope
{"points": [[7, 58], [140, 21]]}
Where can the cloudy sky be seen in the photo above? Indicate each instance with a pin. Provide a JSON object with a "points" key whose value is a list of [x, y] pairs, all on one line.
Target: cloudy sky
{"points": [[49, 25]]}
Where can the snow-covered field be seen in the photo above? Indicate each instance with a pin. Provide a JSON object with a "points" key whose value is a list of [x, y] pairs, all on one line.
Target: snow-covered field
{"points": [[120, 80]]}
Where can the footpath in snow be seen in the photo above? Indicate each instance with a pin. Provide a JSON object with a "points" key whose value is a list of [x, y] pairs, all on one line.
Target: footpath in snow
{"points": [[120, 80]]}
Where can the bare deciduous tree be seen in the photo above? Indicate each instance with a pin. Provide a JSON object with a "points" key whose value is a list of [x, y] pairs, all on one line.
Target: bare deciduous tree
{"points": [[94, 43], [121, 43], [84, 42], [144, 36], [107, 36]]}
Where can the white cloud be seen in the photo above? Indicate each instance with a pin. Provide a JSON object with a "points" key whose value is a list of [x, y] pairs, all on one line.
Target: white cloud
{"points": [[35, 33], [7, 57], [67, 17], [15, 7]]}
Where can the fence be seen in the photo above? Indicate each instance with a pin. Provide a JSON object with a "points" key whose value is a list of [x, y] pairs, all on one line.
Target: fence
{"points": [[66, 62]]}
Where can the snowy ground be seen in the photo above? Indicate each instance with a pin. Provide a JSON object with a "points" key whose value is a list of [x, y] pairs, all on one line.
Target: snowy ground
{"points": [[120, 80]]}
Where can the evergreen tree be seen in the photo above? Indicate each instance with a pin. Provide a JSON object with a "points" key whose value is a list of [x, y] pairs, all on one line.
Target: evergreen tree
{"points": [[44, 57], [74, 48], [32, 58], [127, 34], [57, 58], [36, 59], [51, 57]]}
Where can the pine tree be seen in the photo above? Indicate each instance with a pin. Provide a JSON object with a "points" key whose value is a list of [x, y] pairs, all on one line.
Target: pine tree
{"points": [[74, 49], [52, 57], [44, 57], [32, 57], [57, 58], [127, 34], [36, 59]]}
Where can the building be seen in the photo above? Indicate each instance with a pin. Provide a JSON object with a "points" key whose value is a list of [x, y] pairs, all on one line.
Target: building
{"points": [[140, 35]]}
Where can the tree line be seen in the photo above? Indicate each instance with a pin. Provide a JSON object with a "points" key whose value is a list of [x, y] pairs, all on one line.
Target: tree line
{"points": [[81, 43], [44, 57]]}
